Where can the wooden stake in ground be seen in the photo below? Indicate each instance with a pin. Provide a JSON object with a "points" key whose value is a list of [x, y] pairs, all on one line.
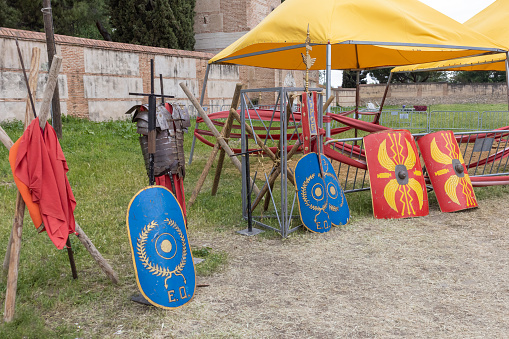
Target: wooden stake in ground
{"points": [[14, 247], [214, 131], [50, 43], [225, 133], [12, 276], [29, 114]]}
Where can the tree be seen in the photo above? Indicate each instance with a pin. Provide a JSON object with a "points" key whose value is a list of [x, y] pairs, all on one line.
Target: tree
{"points": [[160, 23], [382, 76], [350, 78], [464, 77], [70, 17], [9, 17]]}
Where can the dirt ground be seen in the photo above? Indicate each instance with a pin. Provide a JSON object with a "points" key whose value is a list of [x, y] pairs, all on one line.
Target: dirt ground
{"points": [[440, 276]]}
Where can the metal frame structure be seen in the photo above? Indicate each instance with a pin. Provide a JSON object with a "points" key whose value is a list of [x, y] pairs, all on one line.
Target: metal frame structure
{"points": [[283, 202]]}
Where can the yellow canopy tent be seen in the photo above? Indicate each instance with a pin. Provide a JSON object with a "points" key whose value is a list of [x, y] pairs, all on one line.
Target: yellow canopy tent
{"points": [[492, 22], [352, 34], [362, 34]]}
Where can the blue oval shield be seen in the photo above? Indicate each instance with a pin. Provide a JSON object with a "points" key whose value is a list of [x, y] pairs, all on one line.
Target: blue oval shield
{"points": [[162, 258]]}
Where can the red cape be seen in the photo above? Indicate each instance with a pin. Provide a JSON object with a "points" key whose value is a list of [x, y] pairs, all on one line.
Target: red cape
{"points": [[41, 165]]}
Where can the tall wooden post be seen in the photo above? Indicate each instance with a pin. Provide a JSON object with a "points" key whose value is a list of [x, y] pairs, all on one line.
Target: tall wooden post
{"points": [[50, 43]]}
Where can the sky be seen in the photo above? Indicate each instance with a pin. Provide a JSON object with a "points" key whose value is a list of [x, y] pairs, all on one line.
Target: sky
{"points": [[459, 10]]}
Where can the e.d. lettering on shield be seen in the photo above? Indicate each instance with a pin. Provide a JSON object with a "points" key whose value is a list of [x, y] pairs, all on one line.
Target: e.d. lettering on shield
{"points": [[162, 258]]}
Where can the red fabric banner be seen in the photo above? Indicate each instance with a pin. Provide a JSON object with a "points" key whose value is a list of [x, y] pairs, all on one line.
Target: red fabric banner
{"points": [[41, 166]]}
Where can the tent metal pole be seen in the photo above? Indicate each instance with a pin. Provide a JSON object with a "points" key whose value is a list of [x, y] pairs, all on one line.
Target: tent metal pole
{"points": [[507, 76], [201, 104], [328, 79], [357, 98]]}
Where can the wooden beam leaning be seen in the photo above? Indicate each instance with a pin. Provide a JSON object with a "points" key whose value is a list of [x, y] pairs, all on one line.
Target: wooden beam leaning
{"points": [[44, 111], [260, 143], [275, 174], [15, 245], [5, 139], [81, 234], [12, 254], [289, 114], [32, 83], [214, 131], [99, 259], [29, 116], [12, 277], [225, 133], [328, 102]]}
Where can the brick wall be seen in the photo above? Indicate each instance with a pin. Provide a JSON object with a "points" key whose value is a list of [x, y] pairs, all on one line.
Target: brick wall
{"points": [[97, 76], [426, 94]]}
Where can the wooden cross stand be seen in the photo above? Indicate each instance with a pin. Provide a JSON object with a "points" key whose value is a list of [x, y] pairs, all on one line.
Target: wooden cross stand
{"points": [[11, 261]]}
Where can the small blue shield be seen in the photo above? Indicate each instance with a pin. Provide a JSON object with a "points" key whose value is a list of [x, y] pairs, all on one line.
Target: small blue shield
{"points": [[162, 258], [322, 202], [338, 209]]}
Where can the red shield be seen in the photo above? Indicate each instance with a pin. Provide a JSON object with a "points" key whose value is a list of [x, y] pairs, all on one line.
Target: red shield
{"points": [[447, 171], [309, 116], [395, 174]]}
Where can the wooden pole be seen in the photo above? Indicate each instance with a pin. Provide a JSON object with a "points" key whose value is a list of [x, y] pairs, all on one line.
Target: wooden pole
{"points": [[99, 259], [32, 83], [226, 134], [12, 277], [29, 116], [328, 102], [212, 156], [81, 234], [214, 131], [50, 43], [51, 85], [14, 250], [260, 143], [5, 139], [275, 174], [289, 113]]}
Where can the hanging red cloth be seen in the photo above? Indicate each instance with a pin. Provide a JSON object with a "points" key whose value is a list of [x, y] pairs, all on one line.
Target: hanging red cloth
{"points": [[164, 180], [41, 166]]}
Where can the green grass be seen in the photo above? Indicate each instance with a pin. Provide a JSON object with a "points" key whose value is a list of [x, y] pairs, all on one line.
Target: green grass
{"points": [[213, 260], [106, 171]]}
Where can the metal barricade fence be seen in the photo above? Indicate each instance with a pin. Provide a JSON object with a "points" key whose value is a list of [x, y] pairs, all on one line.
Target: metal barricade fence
{"points": [[454, 120], [207, 108], [414, 121], [486, 153], [429, 121], [494, 119]]}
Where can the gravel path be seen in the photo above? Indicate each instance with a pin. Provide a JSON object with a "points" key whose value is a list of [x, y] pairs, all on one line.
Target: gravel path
{"points": [[444, 275]]}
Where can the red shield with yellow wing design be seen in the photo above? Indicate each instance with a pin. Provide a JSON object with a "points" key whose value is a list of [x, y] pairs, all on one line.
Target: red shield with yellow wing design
{"points": [[397, 185], [447, 171]]}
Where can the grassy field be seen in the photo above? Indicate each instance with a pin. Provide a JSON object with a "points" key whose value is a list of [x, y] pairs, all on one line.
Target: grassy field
{"points": [[106, 170]]}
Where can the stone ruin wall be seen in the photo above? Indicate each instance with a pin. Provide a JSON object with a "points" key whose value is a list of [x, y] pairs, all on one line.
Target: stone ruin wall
{"points": [[429, 94]]}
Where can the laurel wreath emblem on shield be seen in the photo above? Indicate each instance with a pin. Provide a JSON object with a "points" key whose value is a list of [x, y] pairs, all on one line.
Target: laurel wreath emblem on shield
{"points": [[159, 270], [305, 195]]}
